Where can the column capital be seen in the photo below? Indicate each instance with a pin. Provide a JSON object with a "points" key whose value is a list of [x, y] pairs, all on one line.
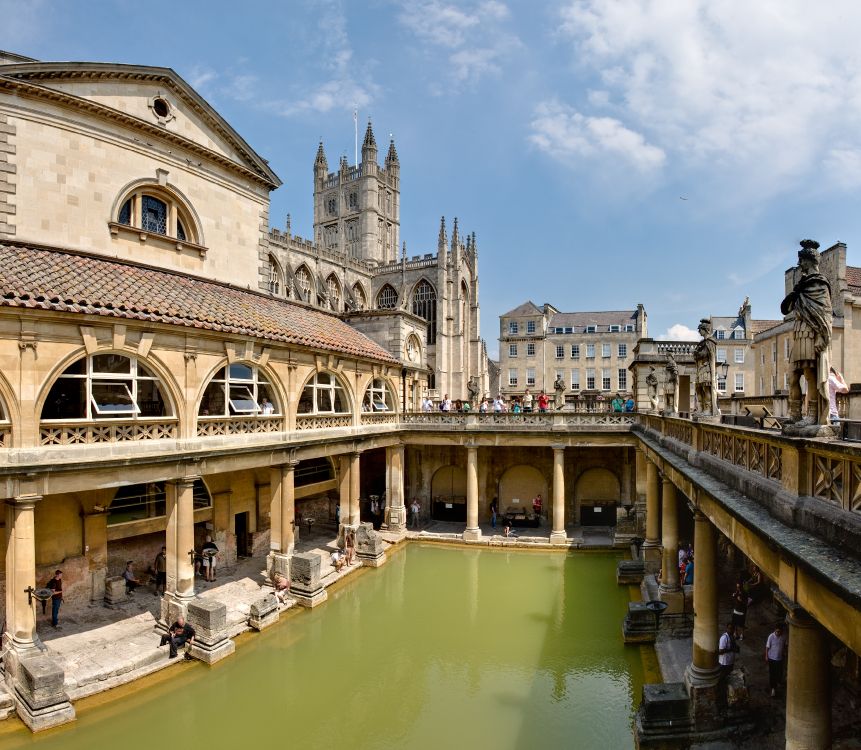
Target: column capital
{"points": [[184, 481], [25, 502], [801, 618], [288, 465], [558, 447]]}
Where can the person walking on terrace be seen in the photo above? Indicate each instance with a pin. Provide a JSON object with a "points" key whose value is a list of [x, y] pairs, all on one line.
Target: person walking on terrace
{"points": [[209, 551], [775, 652], [56, 586], [160, 567]]}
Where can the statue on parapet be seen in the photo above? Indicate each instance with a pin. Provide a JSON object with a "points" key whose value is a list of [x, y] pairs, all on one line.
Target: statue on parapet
{"points": [[472, 388], [809, 304], [671, 387], [705, 361], [652, 388], [559, 388]]}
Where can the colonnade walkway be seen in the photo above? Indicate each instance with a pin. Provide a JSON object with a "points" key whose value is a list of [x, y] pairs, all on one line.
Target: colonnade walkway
{"points": [[99, 648]]}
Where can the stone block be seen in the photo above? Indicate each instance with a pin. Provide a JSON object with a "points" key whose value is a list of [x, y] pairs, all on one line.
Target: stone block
{"points": [[208, 617], [665, 706], [630, 572], [370, 548], [305, 585], [115, 591], [737, 696], [640, 624], [40, 699], [264, 612]]}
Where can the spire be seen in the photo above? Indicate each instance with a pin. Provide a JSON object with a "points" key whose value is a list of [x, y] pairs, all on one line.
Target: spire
{"points": [[369, 146], [369, 136], [454, 237], [404, 251], [320, 162], [392, 156], [443, 237], [473, 245]]}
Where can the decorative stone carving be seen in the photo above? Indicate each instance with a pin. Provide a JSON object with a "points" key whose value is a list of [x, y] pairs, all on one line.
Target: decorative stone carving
{"points": [[809, 305], [671, 386], [652, 388], [208, 617], [705, 361], [305, 583], [472, 387], [369, 546]]}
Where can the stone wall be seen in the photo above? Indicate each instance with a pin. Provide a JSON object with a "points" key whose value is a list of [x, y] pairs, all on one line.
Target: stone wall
{"points": [[7, 177]]}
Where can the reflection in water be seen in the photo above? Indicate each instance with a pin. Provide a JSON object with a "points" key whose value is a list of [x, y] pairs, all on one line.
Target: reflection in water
{"points": [[439, 648]]}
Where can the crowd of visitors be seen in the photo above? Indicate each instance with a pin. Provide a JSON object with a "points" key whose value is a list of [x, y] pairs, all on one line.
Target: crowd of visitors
{"points": [[527, 404]]}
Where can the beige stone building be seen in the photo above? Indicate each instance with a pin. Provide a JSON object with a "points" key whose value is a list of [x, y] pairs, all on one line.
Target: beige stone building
{"points": [[590, 351]]}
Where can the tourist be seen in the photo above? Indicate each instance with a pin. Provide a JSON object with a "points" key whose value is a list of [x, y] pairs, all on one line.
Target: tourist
{"points": [[56, 586], [836, 384], [527, 402], [629, 404], [281, 587], [740, 601], [209, 551], [427, 404], [753, 585], [415, 509], [160, 567], [515, 405], [542, 402], [775, 651], [494, 509], [179, 634], [498, 404], [506, 527], [445, 404], [338, 560], [688, 578], [338, 514], [537, 502], [458, 405], [617, 404], [467, 407], [349, 546], [129, 575], [266, 407], [727, 649], [482, 407]]}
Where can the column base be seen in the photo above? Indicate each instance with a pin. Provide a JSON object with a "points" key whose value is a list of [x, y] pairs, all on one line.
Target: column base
{"points": [[39, 697], [559, 538], [651, 553], [396, 520], [702, 686], [309, 599], [208, 617], [472, 535], [172, 606], [372, 561], [675, 599]]}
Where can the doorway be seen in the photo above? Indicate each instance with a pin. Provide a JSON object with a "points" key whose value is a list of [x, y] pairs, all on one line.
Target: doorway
{"points": [[240, 528]]}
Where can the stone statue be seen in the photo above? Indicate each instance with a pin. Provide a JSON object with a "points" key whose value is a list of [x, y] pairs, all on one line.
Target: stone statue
{"points": [[472, 387], [559, 387], [809, 303], [671, 386], [652, 388], [705, 361]]}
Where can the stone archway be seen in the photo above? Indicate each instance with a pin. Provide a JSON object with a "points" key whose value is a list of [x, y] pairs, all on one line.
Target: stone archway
{"points": [[597, 494], [448, 494], [518, 485]]}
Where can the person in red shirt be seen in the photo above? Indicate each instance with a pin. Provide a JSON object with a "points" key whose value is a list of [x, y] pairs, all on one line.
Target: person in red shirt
{"points": [[542, 401], [536, 506]]}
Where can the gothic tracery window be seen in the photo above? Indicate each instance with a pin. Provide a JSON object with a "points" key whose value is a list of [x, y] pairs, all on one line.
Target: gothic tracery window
{"points": [[424, 305], [334, 290], [274, 277], [387, 299], [303, 282], [359, 295]]}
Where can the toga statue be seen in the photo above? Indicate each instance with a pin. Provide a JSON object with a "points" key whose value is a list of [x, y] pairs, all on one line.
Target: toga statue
{"points": [[671, 386], [472, 387], [810, 305], [559, 387], [652, 388], [705, 361]]}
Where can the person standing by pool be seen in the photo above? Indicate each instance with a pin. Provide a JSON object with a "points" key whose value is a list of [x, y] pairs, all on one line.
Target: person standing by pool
{"points": [[494, 509], [415, 509], [740, 600], [209, 551], [537, 502], [775, 651], [160, 567], [349, 546], [56, 586]]}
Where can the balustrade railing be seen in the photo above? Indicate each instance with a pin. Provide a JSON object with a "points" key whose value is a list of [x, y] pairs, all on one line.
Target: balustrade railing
{"points": [[380, 417], [207, 426], [86, 433], [835, 477], [323, 421]]}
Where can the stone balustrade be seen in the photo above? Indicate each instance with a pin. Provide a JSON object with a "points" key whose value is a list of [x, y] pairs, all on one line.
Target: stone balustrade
{"points": [[207, 426], [104, 431], [323, 421]]}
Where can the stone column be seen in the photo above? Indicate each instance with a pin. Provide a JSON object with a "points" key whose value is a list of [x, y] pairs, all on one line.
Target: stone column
{"points": [[283, 510], [396, 513], [670, 590], [557, 535], [808, 694], [179, 540], [652, 543], [701, 676], [355, 488], [344, 492], [20, 573], [472, 532]]}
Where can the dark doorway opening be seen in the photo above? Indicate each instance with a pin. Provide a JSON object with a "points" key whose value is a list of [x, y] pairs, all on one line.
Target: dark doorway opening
{"points": [[598, 515], [240, 528]]}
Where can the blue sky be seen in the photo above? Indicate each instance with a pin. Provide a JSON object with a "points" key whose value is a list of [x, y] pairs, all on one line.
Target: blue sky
{"points": [[565, 134]]}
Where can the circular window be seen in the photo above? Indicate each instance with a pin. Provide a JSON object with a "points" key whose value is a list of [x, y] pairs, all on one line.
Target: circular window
{"points": [[161, 107]]}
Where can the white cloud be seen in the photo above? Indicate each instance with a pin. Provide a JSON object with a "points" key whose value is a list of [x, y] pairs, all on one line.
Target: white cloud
{"points": [[742, 89], [472, 37], [565, 133], [680, 332]]}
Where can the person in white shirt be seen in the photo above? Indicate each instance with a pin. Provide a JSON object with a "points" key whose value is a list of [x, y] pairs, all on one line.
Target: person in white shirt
{"points": [[266, 407], [482, 407], [498, 405], [836, 384], [775, 652], [427, 404], [727, 649], [527, 402], [445, 405]]}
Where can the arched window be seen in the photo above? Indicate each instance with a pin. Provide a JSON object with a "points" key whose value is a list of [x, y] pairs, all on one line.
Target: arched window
{"points": [[333, 288], [424, 305], [464, 308], [274, 276], [361, 298], [152, 208], [137, 502], [238, 389], [323, 394], [303, 283], [106, 386], [387, 299], [378, 397]]}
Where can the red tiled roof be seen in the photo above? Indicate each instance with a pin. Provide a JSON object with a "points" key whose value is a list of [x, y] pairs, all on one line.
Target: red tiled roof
{"points": [[47, 279], [759, 326], [853, 278]]}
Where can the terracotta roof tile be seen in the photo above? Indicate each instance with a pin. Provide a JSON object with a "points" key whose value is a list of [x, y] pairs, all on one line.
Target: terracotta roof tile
{"points": [[759, 326], [853, 278], [47, 279]]}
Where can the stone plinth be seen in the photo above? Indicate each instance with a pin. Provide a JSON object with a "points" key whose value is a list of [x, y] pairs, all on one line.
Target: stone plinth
{"points": [[663, 719], [639, 625], [278, 563], [675, 599], [39, 696], [652, 556], [209, 620], [172, 606], [115, 591], [396, 519], [305, 585], [264, 612], [630, 572], [472, 535], [369, 546], [702, 685]]}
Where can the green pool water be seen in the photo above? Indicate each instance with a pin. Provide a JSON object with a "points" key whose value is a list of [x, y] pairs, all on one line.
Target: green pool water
{"points": [[440, 648]]}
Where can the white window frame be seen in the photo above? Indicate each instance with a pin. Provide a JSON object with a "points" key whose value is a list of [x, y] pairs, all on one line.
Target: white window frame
{"points": [[738, 356], [622, 351], [590, 379], [591, 329], [629, 328], [512, 377], [331, 388], [575, 380], [230, 382], [512, 350], [513, 327], [721, 355], [575, 351], [615, 329], [530, 376], [560, 352], [606, 380], [530, 326], [590, 351], [606, 351], [739, 382], [622, 379], [378, 396], [721, 384], [530, 350], [720, 334]]}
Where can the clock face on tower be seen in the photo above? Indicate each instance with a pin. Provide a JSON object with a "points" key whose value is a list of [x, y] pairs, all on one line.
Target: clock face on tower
{"points": [[412, 349]]}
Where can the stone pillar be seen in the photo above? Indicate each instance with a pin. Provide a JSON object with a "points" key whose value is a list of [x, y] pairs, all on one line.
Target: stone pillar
{"points": [[355, 488], [396, 512], [344, 492], [701, 676], [179, 540], [808, 694], [652, 543], [557, 535], [96, 551], [472, 531], [283, 510], [670, 590]]}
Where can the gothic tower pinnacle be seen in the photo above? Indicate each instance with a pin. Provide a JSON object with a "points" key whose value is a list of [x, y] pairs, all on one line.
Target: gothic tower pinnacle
{"points": [[369, 146]]}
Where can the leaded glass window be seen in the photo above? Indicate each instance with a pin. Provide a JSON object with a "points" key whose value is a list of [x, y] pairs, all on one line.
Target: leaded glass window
{"points": [[153, 215], [333, 288], [303, 282], [125, 216], [424, 305], [387, 299]]}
